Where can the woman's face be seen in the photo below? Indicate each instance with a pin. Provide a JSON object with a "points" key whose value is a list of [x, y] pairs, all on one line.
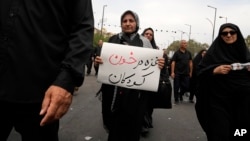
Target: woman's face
{"points": [[128, 24], [149, 34], [203, 53], [229, 35]]}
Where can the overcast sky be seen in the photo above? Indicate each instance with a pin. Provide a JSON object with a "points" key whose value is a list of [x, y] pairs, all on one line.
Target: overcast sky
{"points": [[170, 16]]}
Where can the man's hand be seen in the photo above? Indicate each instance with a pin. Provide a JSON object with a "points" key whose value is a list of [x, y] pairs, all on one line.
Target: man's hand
{"points": [[55, 104]]}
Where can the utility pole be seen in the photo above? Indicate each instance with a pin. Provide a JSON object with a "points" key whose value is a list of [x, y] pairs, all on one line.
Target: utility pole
{"points": [[102, 19]]}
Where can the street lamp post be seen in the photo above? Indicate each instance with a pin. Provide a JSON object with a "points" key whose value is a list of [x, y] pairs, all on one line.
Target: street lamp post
{"points": [[211, 24], [189, 34], [182, 32], [102, 18], [215, 10], [223, 17], [189, 31]]}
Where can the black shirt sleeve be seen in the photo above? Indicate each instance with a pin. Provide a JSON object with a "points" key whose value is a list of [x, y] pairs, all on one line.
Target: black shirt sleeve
{"points": [[80, 46]]}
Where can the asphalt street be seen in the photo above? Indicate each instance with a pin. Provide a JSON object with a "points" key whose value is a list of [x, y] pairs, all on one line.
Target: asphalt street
{"points": [[83, 121]]}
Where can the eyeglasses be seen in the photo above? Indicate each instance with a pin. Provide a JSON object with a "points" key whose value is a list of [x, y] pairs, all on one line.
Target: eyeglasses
{"points": [[226, 33]]}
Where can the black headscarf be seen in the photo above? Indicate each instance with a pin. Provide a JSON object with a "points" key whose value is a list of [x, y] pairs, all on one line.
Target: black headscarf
{"points": [[196, 61], [153, 37], [222, 53]]}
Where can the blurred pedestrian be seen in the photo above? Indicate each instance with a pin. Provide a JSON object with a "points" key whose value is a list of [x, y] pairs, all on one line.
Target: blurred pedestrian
{"points": [[149, 34], [43, 48], [181, 71], [124, 118], [96, 53], [193, 79], [223, 98], [148, 119], [89, 64]]}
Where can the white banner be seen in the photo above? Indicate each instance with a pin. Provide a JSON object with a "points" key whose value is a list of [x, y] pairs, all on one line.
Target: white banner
{"points": [[130, 66]]}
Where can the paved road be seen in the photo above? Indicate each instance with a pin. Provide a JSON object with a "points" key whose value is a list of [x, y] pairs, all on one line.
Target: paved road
{"points": [[83, 121]]}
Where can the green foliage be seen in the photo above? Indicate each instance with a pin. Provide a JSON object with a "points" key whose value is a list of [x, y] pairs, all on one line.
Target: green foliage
{"points": [[193, 46], [97, 37], [248, 41]]}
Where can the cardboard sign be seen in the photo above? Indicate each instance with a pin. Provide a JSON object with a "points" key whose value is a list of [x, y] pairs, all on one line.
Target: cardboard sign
{"points": [[130, 66]]}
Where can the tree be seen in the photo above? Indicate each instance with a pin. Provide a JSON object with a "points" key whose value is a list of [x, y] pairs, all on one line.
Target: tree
{"points": [[193, 46], [248, 41], [97, 38]]}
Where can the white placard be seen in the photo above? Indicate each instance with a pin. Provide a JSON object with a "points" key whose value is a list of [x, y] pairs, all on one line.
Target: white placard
{"points": [[129, 66]]}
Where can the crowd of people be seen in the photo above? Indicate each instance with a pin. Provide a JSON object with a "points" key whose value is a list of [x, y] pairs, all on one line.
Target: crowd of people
{"points": [[217, 110], [41, 67], [219, 91]]}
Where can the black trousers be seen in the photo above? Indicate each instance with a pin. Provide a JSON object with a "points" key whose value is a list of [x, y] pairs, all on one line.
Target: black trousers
{"points": [[128, 119], [181, 85], [96, 69], [106, 110], [25, 119], [89, 66], [193, 87]]}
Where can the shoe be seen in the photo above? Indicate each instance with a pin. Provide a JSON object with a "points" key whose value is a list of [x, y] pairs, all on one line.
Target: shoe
{"points": [[191, 101], [187, 94], [76, 88], [106, 128], [144, 132], [176, 102], [181, 98]]}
